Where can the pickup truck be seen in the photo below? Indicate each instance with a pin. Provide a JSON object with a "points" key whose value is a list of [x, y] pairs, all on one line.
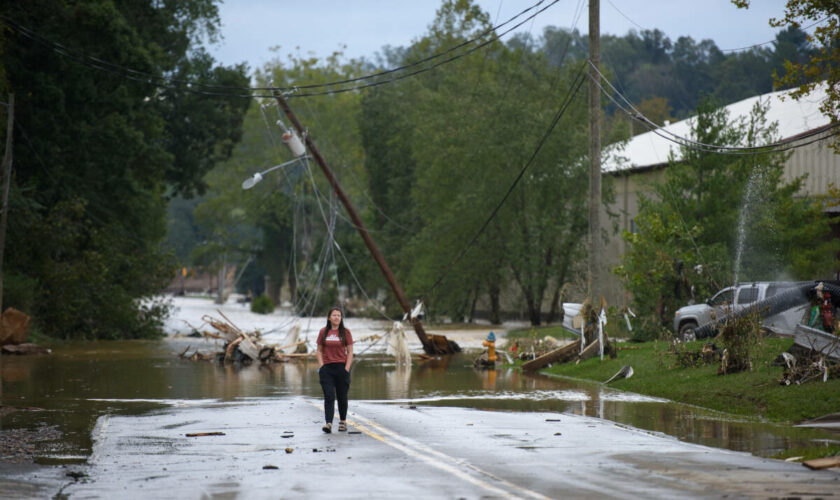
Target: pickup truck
{"points": [[733, 299]]}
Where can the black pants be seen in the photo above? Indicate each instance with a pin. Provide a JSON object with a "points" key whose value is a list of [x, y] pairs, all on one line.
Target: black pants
{"points": [[335, 381]]}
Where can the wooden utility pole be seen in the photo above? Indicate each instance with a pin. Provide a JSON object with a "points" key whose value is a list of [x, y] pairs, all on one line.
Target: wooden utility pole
{"points": [[432, 344], [594, 275], [7, 180]]}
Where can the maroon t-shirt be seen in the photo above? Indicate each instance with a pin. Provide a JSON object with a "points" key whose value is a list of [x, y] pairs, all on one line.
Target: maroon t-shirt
{"points": [[333, 351]]}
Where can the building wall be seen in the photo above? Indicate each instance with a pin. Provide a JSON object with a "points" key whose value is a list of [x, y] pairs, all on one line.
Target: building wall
{"points": [[821, 165], [817, 161]]}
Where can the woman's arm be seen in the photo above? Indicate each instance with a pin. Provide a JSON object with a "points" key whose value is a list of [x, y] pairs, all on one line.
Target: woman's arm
{"points": [[318, 354], [349, 362]]}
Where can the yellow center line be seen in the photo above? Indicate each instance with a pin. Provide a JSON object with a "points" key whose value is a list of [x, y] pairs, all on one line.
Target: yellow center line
{"points": [[436, 458]]}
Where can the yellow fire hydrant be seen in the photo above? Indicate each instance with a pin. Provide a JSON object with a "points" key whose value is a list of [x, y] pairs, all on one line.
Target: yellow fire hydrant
{"points": [[490, 344]]}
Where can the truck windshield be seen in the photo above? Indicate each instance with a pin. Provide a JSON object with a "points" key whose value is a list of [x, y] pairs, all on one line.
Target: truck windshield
{"points": [[724, 297]]}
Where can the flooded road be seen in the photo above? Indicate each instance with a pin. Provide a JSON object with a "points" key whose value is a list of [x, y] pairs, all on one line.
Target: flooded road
{"points": [[61, 396]]}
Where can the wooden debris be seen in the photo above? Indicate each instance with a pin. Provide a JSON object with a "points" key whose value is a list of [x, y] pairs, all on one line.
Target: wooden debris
{"points": [[594, 348], [244, 347], [199, 434], [25, 349], [290, 345], [231, 348], [822, 463], [558, 355], [589, 351]]}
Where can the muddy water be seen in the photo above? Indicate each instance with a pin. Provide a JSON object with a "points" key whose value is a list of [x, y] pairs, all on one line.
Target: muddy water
{"points": [[59, 397]]}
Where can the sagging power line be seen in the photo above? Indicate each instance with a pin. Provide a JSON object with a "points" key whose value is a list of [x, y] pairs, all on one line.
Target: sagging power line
{"points": [[291, 91]]}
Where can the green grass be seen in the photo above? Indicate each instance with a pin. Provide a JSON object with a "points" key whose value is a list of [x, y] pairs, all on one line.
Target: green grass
{"points": [[755, 393], [804, 454], [535, 332], [463, 326]]}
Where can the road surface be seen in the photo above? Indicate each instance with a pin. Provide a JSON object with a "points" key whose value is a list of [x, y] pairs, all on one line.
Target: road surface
{"points": [[403, 451]]}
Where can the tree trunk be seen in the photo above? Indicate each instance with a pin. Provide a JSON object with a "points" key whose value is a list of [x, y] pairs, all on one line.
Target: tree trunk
{"points": [[293, 287], [533, 310], [495, 308], [472, 306], [555, 299]]}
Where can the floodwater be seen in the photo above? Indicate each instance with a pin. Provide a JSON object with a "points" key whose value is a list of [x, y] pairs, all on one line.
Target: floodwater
{"points": [[62, 395]]}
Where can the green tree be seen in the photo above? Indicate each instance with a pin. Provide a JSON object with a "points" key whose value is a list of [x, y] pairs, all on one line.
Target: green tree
{"points": [[475, 125], [281, 221], [824, 61], [720, 218], [99, 150]]}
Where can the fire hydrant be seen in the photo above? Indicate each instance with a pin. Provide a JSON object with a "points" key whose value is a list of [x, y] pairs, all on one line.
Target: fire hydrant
{"points": [[490, 344]]}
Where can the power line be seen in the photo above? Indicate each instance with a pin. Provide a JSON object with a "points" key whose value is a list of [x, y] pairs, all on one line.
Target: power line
{"points": [[748, 47], [433, 56], [739, 49], [428, 68], [359, 184], [331, 229], [569, 96], [625, 16], [164, 82], [775, 147]]}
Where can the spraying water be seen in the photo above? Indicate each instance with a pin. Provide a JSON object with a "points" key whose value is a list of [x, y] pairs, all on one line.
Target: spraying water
{"points": [[747, 208]]}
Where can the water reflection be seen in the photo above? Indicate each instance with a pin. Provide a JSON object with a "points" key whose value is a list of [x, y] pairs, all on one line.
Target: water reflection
{"points": [[80, 382]]}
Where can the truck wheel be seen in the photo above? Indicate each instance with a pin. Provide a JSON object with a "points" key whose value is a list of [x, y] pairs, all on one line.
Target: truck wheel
{"points": [[687, 331]]}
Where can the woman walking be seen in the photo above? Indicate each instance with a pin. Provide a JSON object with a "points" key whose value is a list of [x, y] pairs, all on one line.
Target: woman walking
{"points": [[335, 357]]}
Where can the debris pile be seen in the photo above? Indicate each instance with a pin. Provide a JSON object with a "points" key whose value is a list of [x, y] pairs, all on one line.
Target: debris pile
{"points": [[737, 339], [814, 355], [246, 347], [807, 367], [528, 348]]}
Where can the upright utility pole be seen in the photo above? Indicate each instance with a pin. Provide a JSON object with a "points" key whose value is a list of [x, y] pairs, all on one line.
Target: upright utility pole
{"points": [[594, 275], [7, 180], [438, 344]]}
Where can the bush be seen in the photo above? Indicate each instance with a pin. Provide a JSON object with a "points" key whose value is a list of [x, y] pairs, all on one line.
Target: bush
{"points": [[262, 305], [19, 291]]}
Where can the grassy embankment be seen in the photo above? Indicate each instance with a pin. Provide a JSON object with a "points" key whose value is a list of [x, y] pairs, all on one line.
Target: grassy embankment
{"points": [[755, 393]]}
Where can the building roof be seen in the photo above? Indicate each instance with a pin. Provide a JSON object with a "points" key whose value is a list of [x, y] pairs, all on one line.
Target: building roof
{"points": [[649, 149]]}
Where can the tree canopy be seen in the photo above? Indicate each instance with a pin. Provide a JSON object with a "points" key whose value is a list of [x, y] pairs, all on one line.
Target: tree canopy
{"points": [[822, 63], [99, 150]]}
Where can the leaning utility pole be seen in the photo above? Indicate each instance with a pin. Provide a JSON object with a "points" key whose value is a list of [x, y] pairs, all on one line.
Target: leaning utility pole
{"points": [[437, 344], [594, 275], [7, 180]]}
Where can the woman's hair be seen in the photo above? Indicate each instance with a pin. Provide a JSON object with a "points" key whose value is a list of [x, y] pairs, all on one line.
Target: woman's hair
{"points": [[342, 332]]}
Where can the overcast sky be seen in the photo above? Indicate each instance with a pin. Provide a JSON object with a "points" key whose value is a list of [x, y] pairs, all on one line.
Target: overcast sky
{"points": [[319, 27]]}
